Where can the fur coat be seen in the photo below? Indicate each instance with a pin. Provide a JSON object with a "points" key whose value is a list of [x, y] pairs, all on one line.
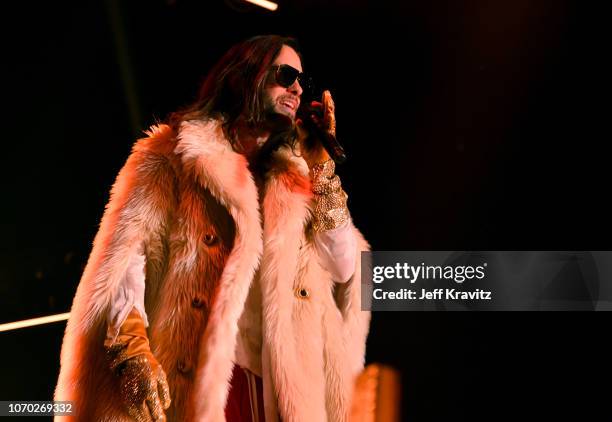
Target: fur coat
{"points": [[192, 203]]}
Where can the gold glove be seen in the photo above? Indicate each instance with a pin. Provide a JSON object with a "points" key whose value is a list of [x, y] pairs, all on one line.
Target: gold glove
{"points": [[142, 380], [329, 113], [330, 210]]}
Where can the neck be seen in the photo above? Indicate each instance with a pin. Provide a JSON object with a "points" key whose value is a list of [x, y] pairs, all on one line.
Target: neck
{"points": [[250, 139]]}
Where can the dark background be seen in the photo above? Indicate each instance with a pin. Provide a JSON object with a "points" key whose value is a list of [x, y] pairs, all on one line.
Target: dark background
{"points": [[470, 125]]}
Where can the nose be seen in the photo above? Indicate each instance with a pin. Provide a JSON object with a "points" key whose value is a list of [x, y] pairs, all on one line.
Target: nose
{"points": [[296, 88]]}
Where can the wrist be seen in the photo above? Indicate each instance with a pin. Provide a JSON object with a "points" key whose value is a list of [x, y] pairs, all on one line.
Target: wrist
{"points": [[131, 341], [317, 158], [322, 172]]}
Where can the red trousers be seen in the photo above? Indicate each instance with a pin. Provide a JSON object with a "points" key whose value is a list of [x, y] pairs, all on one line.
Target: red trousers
{"points": [[245, 399]]}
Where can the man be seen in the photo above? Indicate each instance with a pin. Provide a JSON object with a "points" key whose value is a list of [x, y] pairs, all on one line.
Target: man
{"points": [[227, 235]]}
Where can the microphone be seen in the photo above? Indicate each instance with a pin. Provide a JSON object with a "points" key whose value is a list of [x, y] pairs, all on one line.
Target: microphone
{"points": [[327, 137]]}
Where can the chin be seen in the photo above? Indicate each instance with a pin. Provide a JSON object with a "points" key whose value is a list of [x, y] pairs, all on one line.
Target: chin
{"points": [[287, 113]]}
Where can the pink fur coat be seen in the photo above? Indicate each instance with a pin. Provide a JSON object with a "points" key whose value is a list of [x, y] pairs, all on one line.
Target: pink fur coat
{"points": [[191, 202]]}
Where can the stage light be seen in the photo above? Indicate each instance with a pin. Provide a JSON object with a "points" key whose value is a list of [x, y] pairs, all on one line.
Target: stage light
{"points": [[265, 4], [34, 321]]}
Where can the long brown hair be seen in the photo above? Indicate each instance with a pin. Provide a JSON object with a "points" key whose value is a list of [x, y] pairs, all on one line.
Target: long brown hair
{"points": [[234, 88]]}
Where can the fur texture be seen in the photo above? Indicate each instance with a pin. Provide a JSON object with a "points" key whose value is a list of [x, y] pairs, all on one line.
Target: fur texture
{"points": [[313, 347], [175, 194]]}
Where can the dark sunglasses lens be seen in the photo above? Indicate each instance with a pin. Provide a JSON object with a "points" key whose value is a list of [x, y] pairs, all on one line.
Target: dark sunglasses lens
{"points": [[286, 76]]}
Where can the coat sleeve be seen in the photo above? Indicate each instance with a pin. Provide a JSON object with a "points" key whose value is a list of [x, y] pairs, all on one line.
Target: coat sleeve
{"points": [[140, 200]]}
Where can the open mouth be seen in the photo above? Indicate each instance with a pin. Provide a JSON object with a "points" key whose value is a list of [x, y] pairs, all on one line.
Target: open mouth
{"points": [[290, 104]]}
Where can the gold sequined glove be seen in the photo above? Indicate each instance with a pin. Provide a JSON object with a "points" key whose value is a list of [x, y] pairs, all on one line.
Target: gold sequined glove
{"points": [[142, 381], [330, 209]]}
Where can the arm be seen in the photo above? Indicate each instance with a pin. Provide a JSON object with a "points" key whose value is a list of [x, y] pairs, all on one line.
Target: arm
{"points": [[129, 295], [142, 381], [334, 238]]}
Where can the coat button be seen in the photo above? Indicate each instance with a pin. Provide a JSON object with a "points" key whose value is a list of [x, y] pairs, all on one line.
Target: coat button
{"points": [[302, 293], [197, 302], [209, 239], [183, 367]]}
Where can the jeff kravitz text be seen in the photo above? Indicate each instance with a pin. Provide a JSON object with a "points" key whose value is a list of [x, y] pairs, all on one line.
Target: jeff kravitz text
{"points": [[435, 294]]}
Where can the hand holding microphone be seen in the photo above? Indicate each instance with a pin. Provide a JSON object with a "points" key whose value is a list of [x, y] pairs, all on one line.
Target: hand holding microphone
{"points": [[317, 131]]}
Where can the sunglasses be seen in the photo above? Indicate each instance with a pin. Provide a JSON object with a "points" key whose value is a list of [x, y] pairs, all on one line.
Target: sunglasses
{"points": [[286, 75]]}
